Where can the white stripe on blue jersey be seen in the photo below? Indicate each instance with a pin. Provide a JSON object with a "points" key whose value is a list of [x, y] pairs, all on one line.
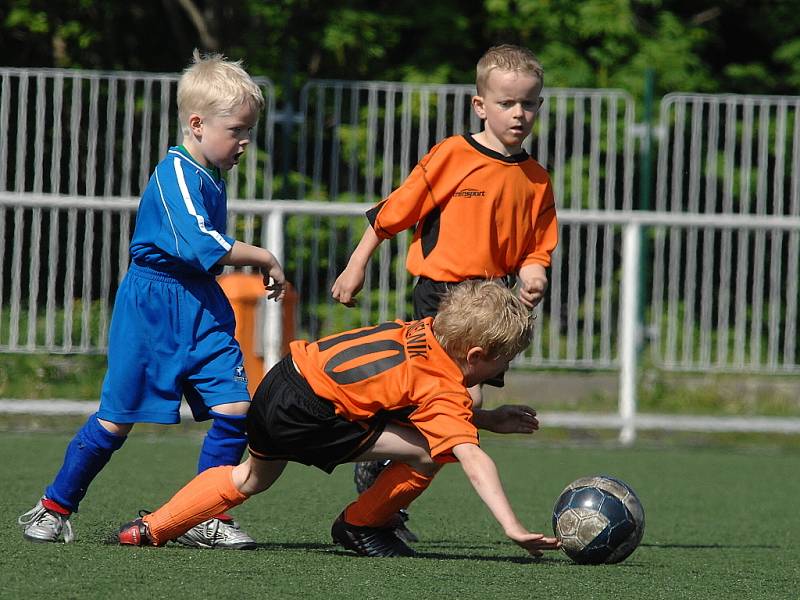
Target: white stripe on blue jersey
{"points": [[182, 218], [187, 200]]}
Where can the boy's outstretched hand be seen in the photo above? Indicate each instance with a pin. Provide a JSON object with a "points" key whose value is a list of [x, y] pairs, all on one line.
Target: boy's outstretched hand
{"points": [[509, 418], [534, 543]]}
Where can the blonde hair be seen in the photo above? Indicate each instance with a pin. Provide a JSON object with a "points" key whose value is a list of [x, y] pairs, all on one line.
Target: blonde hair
{"points": [[482, 313], [215, 86], [507, 57]]}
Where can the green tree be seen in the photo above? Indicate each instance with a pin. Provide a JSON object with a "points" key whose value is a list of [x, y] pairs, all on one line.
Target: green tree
{"points": [[724, 45]]}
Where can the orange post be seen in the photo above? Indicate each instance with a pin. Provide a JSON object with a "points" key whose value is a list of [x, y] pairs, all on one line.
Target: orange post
{"points": [[245, 293]]}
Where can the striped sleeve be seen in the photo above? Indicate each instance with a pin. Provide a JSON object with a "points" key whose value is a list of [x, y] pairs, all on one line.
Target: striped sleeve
{"points": [[193, 215]]}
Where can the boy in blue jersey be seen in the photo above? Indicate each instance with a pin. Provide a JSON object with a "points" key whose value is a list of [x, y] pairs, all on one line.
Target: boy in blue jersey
{"points": [[172, 330]]}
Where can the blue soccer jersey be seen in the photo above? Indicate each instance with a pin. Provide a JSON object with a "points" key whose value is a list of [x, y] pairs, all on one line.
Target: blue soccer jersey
{"points": [[180, 227]]}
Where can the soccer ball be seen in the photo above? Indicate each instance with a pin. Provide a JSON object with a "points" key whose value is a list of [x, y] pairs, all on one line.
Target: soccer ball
{"points": [[598, 519]]}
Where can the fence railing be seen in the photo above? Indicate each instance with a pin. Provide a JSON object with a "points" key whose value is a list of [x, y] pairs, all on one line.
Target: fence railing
{"points": [[56, 305]]}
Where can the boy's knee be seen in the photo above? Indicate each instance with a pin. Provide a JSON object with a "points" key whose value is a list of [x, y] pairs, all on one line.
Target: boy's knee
{"points": [[429, 469], [253, 476], [423, 463], [231, 408], [119, 429]]}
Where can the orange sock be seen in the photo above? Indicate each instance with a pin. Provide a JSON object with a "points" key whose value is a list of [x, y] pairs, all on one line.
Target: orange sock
{"points": [[395, 488], [210, 493]]}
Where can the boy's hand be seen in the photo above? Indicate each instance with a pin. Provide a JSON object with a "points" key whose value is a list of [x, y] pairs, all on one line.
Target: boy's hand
{"points": [[274, 282], [347, 285], [534, 543], [531, 292], [509, 418], [532, 284]]}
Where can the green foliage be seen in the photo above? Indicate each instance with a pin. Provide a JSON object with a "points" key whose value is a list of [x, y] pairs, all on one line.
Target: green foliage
{"points": [[717, 394], [47, 376], [586, 43]]}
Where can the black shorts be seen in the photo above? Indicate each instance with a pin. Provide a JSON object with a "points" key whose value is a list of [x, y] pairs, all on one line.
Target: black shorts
{"points": [[288, 421], [427, 296]]}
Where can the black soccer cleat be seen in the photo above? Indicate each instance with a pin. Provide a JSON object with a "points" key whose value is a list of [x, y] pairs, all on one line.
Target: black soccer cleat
{"points": [[401, 530], [369, 541]]}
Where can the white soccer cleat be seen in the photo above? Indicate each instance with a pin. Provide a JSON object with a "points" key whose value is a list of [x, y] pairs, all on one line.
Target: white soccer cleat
{"points": [[216, 533], [42, 525]]}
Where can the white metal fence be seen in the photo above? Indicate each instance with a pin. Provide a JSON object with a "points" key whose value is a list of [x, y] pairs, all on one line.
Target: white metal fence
{"points": [[726, 299], [94, 133]]}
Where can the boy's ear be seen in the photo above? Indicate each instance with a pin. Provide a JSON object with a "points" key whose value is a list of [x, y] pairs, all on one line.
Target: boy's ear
{"points": [[474, 354], [195, 124], [479, 107]]}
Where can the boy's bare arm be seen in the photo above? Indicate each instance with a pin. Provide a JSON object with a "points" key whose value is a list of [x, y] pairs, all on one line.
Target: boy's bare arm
{"points": [[246, 255], [532, 284], [482, 474], [351, 280]]}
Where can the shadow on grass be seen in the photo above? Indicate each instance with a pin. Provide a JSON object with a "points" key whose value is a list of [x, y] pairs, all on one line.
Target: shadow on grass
{"points": [[421, 553]]}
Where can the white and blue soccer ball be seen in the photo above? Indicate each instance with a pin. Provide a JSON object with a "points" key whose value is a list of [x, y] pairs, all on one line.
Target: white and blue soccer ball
{"points": [[598, 519]]}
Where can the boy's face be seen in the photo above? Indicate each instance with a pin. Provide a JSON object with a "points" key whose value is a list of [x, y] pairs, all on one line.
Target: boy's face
{"points": [[479, 367], [508, 106], [219, 141]]}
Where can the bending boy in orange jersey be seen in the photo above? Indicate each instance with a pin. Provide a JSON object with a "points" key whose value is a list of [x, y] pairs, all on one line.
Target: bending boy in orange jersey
{"points": [[351, 397]]}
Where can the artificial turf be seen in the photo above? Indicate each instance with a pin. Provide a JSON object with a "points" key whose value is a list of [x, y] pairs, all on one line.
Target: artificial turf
{"points": [[720, 524]]}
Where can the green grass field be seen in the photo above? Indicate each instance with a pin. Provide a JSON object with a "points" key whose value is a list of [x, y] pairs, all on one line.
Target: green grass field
{"points": [[720, 524]]}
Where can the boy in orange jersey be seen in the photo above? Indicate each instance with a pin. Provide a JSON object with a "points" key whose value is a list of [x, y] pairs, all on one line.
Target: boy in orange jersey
{"points": [[393, 391], [482, 207]]}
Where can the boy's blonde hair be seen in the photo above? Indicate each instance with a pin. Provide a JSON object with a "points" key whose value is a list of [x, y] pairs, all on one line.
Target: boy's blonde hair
{"points": [[483, 313], [215, 86], [507, 57]]}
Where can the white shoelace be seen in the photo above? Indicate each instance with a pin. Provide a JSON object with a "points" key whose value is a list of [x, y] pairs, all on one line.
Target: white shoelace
{"points": [[40, 515]]}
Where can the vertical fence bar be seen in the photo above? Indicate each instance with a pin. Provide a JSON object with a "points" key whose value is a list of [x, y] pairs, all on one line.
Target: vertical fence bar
{"points": [[272, 334], [629, 331]]}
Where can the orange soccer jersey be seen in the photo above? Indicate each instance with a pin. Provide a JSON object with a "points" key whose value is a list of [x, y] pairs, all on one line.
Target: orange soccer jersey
{"points": [[390, 366], [478, 214]]}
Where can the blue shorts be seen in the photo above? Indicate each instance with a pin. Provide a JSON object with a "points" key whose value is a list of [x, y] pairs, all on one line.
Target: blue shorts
{"points": [[170, 337]]}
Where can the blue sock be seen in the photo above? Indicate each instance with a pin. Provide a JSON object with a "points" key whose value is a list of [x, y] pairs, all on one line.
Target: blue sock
{"points": [[86, 455], [225, 441]]}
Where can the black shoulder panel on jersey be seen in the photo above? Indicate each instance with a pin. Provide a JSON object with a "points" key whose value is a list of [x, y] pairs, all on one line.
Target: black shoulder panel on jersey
{"points": [[430, 231], [372, 213]]}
